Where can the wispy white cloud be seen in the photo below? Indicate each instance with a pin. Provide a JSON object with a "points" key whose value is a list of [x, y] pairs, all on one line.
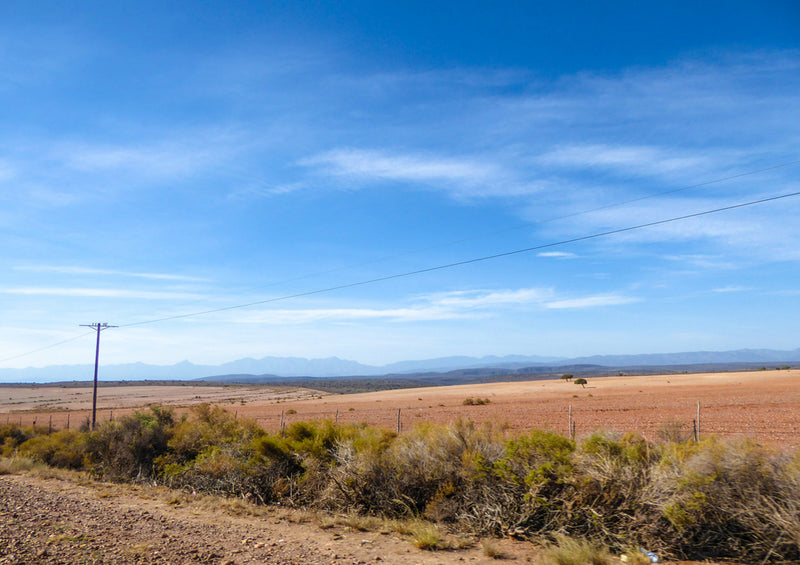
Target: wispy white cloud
{"points": [[557, 254], [373, 164], [100, 293], [483, 175], [478, 303], [56, 172], [704, 261], [180, 154], [347, 315], [90, 271], [482, 298], [257, 190], [731, 288], [591, 301], [627, 160]]}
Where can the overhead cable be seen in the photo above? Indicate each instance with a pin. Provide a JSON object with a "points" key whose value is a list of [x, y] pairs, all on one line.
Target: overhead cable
{"points": [[466, 261]]}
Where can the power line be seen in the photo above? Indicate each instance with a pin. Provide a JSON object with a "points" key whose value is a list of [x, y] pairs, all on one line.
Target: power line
{"points": [[537, 222], [486, 258], [510, 229], [469, 261], [46, 347]]}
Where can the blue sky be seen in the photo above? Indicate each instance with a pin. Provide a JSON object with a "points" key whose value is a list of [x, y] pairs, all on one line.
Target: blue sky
{"points": [[167, 158]]}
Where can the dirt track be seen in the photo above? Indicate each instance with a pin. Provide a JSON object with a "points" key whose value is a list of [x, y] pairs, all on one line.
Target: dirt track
{"points": [[68, 519], [62, 522]]}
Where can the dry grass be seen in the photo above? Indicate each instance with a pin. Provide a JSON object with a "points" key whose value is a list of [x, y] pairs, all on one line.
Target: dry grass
{"points": [[491, 549], [571, 551], [26, 465], [428, 536]]}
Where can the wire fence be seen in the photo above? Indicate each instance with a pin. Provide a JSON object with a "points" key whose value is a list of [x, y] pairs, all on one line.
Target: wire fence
{"points": [[761, 425]]}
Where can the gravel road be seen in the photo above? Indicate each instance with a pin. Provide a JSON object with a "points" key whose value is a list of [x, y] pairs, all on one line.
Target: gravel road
{"points": [[74, 520]]}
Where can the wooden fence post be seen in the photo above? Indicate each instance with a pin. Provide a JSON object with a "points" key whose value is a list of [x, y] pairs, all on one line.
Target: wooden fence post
{"points": [[698, 421], [571, 425]]}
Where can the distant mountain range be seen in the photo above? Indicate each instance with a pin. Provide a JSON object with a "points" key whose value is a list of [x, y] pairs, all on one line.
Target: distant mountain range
{"points": [[335, 367]]}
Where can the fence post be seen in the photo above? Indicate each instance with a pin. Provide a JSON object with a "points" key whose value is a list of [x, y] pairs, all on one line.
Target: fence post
{"points": [[398, 420], [281, 422], [694, 430], [698, 421], [571, 425], [336, 418], [50, 425], [67, 420]]}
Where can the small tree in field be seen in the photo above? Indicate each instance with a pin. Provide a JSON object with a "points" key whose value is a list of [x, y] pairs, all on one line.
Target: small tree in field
{"points": [[567, 377], [583, 382]]}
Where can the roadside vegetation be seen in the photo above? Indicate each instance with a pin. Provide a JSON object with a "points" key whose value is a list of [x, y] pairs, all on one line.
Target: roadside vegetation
{"points": [[717, 499]]}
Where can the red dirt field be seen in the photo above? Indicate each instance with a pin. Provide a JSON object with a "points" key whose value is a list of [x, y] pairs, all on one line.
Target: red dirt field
{"points": [[762, 405]]}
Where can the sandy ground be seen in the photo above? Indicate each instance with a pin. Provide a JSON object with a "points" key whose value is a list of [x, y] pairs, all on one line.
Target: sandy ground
{"points": [[763, 405]]}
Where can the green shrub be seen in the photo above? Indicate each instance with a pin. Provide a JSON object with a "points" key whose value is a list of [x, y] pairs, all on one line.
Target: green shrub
{"points": [[127, 448], [736, 500], [11, 436], [65, 449]]}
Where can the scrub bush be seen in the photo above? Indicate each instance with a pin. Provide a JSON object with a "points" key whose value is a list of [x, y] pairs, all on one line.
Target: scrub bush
{"points": [[711, 500], [66, 449], [126, 449]]}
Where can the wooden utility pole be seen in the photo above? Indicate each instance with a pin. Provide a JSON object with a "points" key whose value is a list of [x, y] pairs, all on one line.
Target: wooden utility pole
{"points": [[98, 327]]}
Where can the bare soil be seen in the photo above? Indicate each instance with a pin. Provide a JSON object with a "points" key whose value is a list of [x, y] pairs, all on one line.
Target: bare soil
{"points": [[762, 405]]}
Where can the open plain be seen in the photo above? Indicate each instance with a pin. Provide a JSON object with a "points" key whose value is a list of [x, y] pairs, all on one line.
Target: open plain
{"points": [[762, 405], [64, 517]]}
